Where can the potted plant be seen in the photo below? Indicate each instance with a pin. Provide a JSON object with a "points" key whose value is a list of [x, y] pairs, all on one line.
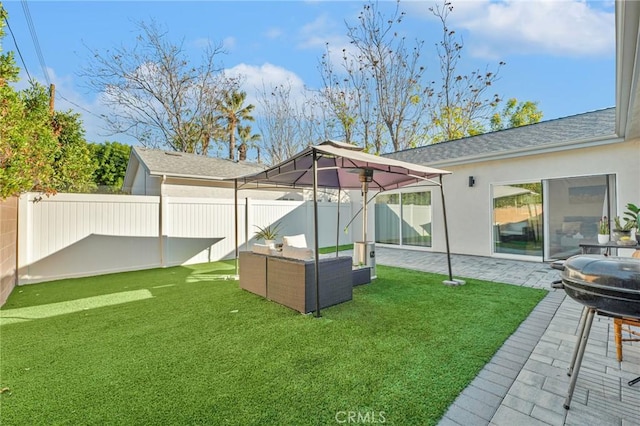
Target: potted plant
{"points": [[622, 232], [632, 215], [268, 233], [603, 231]]}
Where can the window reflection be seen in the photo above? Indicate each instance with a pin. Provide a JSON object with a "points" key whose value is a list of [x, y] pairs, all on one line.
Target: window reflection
{"points": [[517, 219], [404, 218]]}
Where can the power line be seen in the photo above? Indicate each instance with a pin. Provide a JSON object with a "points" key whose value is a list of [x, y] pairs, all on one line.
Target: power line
{"points": [[15, 42], [81, 107], [36, 43], [17, 48]]}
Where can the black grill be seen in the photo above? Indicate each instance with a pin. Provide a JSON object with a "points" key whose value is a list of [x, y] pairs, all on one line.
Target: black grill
{"points": [[610, 285], [604, 285]]}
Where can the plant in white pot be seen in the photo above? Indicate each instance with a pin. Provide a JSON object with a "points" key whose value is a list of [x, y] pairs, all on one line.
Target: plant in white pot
{"points": [[603, 231], [268, 233]]}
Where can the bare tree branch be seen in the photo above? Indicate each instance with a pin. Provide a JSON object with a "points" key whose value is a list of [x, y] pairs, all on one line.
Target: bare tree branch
{"points": [[155, 94]]}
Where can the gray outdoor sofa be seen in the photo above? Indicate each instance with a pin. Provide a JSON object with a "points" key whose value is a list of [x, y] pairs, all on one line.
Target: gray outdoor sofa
{"points": [[291, 282]]}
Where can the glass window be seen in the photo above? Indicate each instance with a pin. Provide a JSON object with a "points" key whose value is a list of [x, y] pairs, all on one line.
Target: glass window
{"points": [[404, 218], [388, 218], [517, 219], [416, 219]]}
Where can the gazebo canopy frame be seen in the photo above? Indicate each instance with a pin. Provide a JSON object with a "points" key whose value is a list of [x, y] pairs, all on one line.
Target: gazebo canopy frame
{"points": [[337, 165]]}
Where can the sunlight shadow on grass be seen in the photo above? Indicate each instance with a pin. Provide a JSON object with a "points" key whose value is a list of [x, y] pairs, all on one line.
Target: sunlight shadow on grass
{"points": [[12, 316], [196, 278]]}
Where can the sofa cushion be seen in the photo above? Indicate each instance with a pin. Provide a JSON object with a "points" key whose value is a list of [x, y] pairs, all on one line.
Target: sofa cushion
{"points": [[294, 241], [300, 253], [261, 249]]}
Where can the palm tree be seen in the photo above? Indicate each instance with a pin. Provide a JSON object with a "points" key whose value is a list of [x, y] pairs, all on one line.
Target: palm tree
{"points": [[247, 140], [233, 113]]}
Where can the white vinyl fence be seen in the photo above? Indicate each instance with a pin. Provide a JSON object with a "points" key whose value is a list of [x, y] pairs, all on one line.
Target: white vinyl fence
{"points": [[74, 235]]}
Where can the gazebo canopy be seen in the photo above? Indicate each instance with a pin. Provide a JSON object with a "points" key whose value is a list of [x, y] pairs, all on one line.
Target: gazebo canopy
{"points": [[338, 167]]}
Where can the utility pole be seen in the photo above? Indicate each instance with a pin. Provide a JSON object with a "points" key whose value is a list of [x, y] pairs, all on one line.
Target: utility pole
{"points": [[52, 97]]}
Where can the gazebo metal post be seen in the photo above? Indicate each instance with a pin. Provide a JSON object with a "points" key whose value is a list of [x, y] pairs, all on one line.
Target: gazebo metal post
{"points": [[338, 225], [315, 230], [365, 189], [446, 230]]}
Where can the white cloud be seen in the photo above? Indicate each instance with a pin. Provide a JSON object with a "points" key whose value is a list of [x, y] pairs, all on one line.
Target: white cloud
{"points": [[267, 75], [555, 27], [323, 33], [273, 33], [323, 30], [201, 42], [313, 34], [229, 43]]}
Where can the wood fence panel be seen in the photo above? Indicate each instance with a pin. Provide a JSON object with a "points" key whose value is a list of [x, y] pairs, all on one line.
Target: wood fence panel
{"points": [[8, 246]]}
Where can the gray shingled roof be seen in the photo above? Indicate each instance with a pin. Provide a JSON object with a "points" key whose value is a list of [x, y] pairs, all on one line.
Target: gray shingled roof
{"points": [[576, 128], [191, 165]]}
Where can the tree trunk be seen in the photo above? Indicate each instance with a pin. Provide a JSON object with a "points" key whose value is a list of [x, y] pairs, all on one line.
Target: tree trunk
{"points": [[242, 152], [232, 142]]}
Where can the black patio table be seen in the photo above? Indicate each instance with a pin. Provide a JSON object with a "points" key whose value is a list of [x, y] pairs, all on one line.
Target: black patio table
{"points": [[585, 246]]}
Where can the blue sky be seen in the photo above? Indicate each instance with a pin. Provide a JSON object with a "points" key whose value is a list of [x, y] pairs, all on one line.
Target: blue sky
{"points": [[559, 53]]}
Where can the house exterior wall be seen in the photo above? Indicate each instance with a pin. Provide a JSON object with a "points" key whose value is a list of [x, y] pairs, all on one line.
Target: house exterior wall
{"points": [[8, 246], [176, 188], [144, 184], [469, 209]]}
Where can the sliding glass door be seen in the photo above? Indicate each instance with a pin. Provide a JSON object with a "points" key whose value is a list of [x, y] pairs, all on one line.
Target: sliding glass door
{"points": [[550, 219], [575, 206], [517, 219], [404, 218], [388, 218]]}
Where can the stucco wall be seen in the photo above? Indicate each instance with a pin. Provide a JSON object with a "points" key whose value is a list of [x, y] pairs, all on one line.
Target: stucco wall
{"points": [[469, 209], [144, 184], [8, 242]]}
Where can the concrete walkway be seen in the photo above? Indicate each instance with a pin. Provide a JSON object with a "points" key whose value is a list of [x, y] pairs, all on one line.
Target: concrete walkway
{"points": [[525, 383]]}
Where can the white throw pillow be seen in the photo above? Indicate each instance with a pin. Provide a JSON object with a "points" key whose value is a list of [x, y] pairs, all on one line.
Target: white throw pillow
{"points": [[294, 241], [300, 253], [261, 248]]}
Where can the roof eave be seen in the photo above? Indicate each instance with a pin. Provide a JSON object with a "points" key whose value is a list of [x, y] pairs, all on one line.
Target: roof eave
{"points": [[528, 151], [627, 56], [186, 176]]}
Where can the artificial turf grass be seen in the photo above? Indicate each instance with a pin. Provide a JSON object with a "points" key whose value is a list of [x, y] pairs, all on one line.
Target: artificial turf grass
{"points": [[203, 351], [332, 249]]}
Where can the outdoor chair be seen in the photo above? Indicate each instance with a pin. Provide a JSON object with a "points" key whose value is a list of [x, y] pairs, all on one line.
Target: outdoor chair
{"points": [[618, 323]]}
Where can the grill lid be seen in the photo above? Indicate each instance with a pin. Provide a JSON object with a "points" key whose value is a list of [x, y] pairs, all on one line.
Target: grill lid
{"points": [[609, 284], [621, 272]]}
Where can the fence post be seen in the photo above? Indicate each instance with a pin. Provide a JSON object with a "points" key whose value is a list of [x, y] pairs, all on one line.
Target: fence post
{"points": [[248, 218], [165, 217]]}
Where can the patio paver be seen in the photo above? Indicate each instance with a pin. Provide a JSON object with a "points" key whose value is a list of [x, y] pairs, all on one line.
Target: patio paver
{"points": [[525, 383]]}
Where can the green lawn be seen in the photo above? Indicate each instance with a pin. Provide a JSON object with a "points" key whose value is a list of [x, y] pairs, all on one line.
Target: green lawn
{"points": [[184, 346], [326, 250]]}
